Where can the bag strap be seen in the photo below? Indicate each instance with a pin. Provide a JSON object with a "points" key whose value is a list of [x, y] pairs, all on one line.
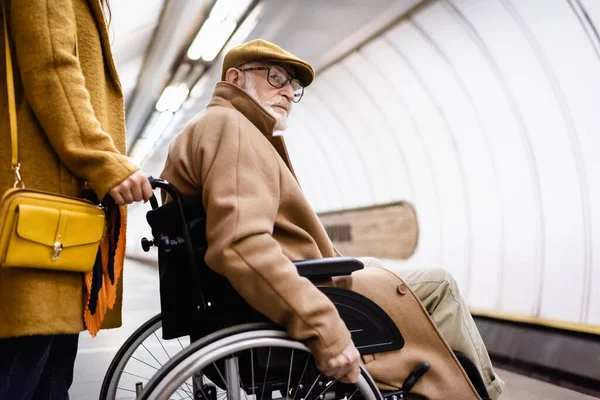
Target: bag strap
{"points": [[12, 107]]}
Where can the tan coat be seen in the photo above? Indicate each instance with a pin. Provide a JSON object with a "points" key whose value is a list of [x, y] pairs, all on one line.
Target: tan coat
{"points": [[257, 216], [71, 129], [258, 220]]}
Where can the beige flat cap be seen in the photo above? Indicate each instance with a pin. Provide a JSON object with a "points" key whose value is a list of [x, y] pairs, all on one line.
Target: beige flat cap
{"points": [[261, 50]]}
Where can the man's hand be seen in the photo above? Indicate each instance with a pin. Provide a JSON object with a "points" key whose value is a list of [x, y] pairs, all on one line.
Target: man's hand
{"points": [[344, 367], [135, 187]]}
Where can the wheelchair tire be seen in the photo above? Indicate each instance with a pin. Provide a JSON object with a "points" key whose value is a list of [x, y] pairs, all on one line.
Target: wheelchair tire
{"points": [[112, 387], [231, 343]]}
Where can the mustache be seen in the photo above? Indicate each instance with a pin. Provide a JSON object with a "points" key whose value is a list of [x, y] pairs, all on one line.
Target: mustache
{"points": [[279, 101]]}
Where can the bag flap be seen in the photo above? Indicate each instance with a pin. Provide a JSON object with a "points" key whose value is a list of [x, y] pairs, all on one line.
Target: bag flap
{"points": [[42, 224]]}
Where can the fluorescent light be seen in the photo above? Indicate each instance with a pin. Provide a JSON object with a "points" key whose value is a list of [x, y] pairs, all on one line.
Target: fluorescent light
{"points": [[245, 28], [229, 9], [172, 98], [159, 126], [217, 29], [219, 38], [220, 10], [210, 39], [202, 39], [238, 10], [153, 132]]}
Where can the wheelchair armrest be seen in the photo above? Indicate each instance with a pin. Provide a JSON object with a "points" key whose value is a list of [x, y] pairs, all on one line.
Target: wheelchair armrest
{"points": [[323, 268]]}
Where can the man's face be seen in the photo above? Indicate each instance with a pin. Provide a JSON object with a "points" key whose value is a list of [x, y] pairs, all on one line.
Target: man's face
{"points": [[277, 101]]}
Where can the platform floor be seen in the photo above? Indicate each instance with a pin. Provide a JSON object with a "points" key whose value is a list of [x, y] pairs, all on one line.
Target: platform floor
{"points": [[141, 302]]}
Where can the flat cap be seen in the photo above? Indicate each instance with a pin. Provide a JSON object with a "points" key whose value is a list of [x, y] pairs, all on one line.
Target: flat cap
{"points": [[261, 50]]}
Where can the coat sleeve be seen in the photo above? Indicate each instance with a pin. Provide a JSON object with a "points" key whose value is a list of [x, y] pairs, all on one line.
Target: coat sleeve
{"points": [[241, 192], [43, 33]]}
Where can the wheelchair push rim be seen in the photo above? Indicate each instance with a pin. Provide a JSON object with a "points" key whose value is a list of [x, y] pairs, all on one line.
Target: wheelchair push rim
{"points": [[193, 360]]}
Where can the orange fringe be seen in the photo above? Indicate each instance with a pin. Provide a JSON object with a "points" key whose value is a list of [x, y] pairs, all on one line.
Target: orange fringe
{"points": [[107, 295]]}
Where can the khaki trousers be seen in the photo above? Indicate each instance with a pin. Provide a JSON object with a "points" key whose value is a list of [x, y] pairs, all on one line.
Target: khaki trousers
{"points": [[437, 290]]}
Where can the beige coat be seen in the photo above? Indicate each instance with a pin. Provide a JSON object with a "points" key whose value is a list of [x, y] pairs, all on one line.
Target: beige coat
{"points": [[257, 216], [71, 129], [258, 220]]}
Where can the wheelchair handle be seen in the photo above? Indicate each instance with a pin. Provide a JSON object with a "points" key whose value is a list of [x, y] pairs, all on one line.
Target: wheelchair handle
{"points": [[174, 193], [158, 183]]}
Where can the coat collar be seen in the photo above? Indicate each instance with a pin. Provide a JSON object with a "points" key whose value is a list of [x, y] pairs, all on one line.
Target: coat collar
{"points": [[229, 95], [98, 14]]}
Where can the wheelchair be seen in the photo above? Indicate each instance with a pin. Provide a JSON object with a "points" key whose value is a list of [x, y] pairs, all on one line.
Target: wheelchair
{"points": [[209, 344]]}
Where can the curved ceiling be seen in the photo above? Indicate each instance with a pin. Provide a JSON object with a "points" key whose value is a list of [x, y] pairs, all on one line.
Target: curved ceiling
{"points": [[482, 114]]}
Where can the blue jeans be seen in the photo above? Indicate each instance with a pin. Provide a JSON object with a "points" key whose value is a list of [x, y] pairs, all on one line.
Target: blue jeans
{"points": [[37, 367]]}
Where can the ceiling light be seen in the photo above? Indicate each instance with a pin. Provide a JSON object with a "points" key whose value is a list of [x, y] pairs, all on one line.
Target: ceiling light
{"points": [[245, 28], [229, 9], [202, 39], [153, 132], [219, 38], [210, 39], [217, 29], [172, 98], [221, 9], [240, 8], [159, 126]]}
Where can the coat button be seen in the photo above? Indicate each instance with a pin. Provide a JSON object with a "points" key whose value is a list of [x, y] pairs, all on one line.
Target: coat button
{"points": [[402, 289]]}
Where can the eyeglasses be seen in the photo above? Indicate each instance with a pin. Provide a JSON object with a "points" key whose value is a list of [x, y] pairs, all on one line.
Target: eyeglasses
{"points": [[278, 77]]}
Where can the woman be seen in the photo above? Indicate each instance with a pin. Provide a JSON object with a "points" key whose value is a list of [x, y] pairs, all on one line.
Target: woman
{"points": [[71, 130]]}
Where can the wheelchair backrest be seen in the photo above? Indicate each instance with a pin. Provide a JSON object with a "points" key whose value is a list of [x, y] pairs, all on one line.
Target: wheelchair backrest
{"points": [[190, 292]]}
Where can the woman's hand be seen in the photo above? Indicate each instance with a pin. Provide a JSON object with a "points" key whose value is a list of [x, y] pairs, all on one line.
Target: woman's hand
{"points": [[135, 188]]}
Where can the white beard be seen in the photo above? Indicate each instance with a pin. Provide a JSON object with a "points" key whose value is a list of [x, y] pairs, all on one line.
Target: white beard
{"points": [[281, 119]]}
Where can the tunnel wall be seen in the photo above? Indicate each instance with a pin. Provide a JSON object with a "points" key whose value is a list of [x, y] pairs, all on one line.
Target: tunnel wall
{"points": [[484, 115]]}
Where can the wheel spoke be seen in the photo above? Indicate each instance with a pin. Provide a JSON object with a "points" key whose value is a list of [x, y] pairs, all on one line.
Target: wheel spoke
{"points": [[266, 371], [191, 388], [301, 376], [287, 392], [137, 376], [126, 390], [351, 396], [324, 390], [144, 362], [189, 394], [252, 370], [221, 375], [242, 384], [161, 345], [313, 385], [149, 352]]}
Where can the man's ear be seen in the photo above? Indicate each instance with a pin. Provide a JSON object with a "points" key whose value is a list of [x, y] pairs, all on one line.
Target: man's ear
{"points": [[236, 77]]}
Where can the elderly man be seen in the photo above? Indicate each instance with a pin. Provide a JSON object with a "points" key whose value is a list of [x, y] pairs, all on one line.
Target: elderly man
{"points": [[258, 219]]}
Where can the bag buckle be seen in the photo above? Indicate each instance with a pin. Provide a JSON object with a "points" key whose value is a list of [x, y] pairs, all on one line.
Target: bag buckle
{"points": [[58, 247], [18, 180]]}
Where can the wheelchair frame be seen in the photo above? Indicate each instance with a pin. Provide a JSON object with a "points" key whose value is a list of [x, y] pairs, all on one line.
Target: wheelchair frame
{"points": [[371, 328]]}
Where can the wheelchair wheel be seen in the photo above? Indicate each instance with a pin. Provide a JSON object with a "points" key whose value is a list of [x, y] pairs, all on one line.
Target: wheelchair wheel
{"points": [[140, 357], [250, 362]]}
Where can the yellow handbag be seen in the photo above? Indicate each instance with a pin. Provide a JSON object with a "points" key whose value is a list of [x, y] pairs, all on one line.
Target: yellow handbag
{"points": [[40, 229]]}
